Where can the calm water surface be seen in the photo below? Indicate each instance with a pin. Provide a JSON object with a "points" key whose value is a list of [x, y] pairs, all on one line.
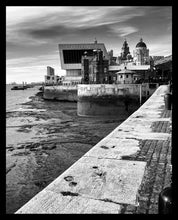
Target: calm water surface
{"points": [[14, 98]]}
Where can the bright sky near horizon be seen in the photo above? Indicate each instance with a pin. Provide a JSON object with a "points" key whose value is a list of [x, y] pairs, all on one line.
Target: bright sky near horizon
{"points": [[33, 34]]}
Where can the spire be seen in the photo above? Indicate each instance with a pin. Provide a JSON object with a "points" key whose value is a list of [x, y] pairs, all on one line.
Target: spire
{"points": [[141, 40], [95, 41]]}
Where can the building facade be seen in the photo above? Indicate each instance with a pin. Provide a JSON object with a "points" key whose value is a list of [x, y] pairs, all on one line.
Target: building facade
{"points": [[71, 55], [83, 66], [125, 76], [51, 78], [125, 54], [141, 54], [95, 68]]}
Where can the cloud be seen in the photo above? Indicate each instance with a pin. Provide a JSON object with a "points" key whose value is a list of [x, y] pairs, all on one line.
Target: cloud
{"points": [[48, 22], [42, 60], [160, 50], [123, 31], [51, 32]]}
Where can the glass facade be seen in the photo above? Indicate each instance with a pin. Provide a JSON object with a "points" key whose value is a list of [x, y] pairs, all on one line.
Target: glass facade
{"points": [[74, 56]]}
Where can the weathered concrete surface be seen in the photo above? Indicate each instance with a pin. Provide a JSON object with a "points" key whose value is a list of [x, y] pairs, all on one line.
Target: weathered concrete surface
{"points": [[111, 99], [60, 93], [113, 89], [119, 174], [90, 179]]}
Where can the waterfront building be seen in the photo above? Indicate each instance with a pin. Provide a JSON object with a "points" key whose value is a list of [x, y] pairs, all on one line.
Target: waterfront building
{"points": [[156, 58], [95, 68], [112, 59], [163, 69], [125, 76], [81, 64], [141, 54], [70, 57], [51, 78], [125, 54]]}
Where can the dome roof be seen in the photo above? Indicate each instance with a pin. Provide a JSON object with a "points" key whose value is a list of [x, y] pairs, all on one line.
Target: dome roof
{"points": [[141, 43]]}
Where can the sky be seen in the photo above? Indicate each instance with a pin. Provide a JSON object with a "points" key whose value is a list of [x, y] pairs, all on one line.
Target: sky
{"points": [[33, 34]]}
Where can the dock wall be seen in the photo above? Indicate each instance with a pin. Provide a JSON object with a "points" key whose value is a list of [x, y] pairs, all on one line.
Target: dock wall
{"points": [[60, 93], [111, 99], [103, 180]]}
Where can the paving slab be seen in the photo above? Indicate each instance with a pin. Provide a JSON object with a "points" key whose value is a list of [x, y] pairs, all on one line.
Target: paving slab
{"points": [[105, 180]]}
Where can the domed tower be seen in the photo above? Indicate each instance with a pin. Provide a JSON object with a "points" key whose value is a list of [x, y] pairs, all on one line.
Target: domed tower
{"points": [[141, 53]]}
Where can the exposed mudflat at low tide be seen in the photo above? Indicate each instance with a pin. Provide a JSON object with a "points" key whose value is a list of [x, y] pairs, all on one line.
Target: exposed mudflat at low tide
{"points": [[43, 139]]}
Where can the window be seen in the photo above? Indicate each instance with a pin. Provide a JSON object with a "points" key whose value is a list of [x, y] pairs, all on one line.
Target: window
{"points": [[120, 76], [126, 76], [74, 56]]}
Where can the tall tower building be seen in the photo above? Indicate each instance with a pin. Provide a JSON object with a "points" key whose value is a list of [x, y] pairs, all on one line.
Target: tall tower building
{"points": [[124, 50], [141, 53], [125, 54]]}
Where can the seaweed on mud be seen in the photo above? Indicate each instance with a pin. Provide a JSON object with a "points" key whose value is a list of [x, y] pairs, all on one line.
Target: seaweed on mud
{"points": [[21, 153], [40, 184], [8, 169]]}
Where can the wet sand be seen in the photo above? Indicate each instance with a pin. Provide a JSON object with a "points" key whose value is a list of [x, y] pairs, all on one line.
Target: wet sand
{"points": [[43, 141]]}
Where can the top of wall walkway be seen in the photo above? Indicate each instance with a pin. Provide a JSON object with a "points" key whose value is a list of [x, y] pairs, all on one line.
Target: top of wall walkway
{"points": [[102, 181]]}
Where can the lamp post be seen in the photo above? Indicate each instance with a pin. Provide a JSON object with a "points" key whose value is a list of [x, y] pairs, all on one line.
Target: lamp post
{"points": [[140, 94]]}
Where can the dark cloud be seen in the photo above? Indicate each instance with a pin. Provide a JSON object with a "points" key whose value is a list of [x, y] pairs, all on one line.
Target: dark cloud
{"points": [[58, 31], [49, 32]]}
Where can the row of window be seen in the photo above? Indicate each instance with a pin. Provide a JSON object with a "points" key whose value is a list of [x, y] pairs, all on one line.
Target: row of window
{"points": [[127, 76], [74, 56], [121, 76], [48, 78], [71, 83]]}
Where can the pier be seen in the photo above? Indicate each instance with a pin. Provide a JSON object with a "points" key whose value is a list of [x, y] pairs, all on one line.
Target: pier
{"points": [[122, 174]]}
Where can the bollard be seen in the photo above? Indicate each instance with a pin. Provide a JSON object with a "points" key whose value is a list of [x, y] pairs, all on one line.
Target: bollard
{"points": [[170, 86], [168, 101], [165, 201]]}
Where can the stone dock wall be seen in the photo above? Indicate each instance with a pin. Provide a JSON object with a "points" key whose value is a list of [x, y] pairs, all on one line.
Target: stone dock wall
{"points": [[112, 99], [71, 93], [60, 93], [119, 174]]}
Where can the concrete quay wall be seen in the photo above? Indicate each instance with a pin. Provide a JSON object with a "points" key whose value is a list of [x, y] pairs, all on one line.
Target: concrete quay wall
{"points": [[112, 99], [103, 180], [111, 89], [60, 93], [71, 92]]}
